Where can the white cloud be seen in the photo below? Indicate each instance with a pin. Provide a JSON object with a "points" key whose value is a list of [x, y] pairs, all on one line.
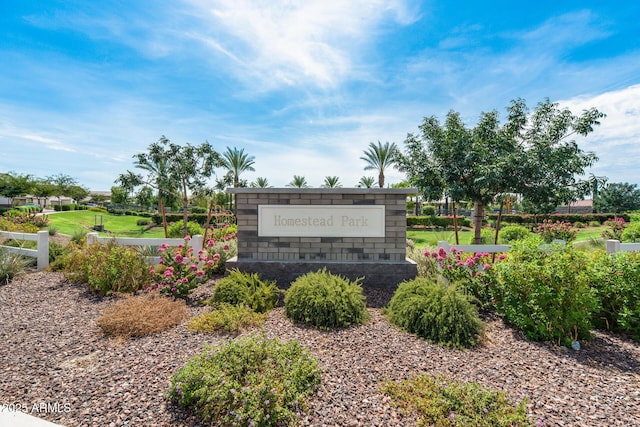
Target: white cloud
{"points": [[615, 141], [282, 43]]}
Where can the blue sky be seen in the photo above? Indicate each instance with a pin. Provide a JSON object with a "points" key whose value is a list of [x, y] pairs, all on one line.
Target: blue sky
{"points": [[302, 86]]}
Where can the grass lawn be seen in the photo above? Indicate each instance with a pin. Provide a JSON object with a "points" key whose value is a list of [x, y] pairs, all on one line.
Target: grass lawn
{"points": [[423, 238], [73, 222]]}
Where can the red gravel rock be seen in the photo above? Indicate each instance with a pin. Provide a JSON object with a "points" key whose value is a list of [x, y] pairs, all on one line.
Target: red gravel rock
{"points": [[51, 353]]}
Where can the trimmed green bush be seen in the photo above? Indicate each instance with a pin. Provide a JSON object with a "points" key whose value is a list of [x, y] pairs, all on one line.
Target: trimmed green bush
{"points": [[435, 311], [193, 229], [142, 222], [436, 221], [239, 288], [227, 318], [440, 401], [253, 381], [546, 293], [511, 233], [326, 301]]}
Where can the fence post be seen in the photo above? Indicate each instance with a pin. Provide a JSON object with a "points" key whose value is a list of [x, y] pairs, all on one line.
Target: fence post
{"points": [[92, 238], [43, 249], [613, 246], [444, 244], [196, 242]]}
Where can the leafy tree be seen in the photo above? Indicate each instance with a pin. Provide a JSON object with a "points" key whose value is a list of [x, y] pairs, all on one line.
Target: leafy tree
{"points": [[61, 184], [380, 157], [42, 189], [618, 197], [14, 185], [331, 182], [530, 154], [237, 161], [119, 195], [176, 169], [366, 182], [144, 196], [77, 192], [260, 182], [298, 182]]}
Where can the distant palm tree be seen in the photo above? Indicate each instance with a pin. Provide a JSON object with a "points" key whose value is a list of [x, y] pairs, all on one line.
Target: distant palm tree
{"points": [[260, 182], [331, 182], [366, 182], [380, 157], [237, 161], [298, 182]]}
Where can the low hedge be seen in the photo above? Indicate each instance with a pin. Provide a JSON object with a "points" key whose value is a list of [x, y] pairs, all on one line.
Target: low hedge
{"points": [[436, 221], [216, 219], [572, 218]]}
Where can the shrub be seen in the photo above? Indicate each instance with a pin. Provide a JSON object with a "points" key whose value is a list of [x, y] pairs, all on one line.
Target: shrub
{"points": [[511, 233], [107, 268], [487, 236], [52, 231], [428, 210], [11, 266], [594, 224], [546, 293], [616, 229], [79, 236], [176, 229], [440, 401], [250, 381], [227, 318], [616, 281], [145, 314], [468, 270], [240, 288], [6, 225], [436, 221], [579, 224], [56, 250], [142, 222], [181, 270], [97, 209], [436, 312], [550, 231], [631, 234], [19, 217], [325, 300], [427, 266]]}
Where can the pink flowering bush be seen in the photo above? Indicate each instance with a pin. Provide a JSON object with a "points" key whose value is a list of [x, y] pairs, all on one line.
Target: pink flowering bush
{"points": [[224, 243], [550, 231], [17, 217], [182, 269], [616, 228], [473, 272]]}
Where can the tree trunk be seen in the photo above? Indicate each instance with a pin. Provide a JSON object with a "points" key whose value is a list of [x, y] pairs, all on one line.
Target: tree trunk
{"points": [[478, 215], [164, 216], [455, 223], [495, 240], [185, 208], [381, 179]]}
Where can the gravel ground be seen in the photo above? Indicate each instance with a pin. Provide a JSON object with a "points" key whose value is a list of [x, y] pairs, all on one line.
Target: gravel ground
{"points": [[55, 361]]}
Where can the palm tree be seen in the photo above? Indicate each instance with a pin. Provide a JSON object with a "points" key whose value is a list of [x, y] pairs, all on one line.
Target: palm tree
{"points": [[237, 161], [379, 157], [366, 182], [260, 182], [331, 182], [298, 182]]}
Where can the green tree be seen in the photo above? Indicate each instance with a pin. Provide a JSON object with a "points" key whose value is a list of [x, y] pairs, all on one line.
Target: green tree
{"points": [[380, 157], [237, 161], [119, 195], [14, 185], [170, 166], [618, 197], [77, 192], [260, 182], [331, 182], [144, 196], [42, 189], [298, 182], [366, 182], [61, 183], [530, 154]]}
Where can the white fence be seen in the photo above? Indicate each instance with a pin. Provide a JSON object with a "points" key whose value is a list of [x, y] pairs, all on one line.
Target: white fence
{"points": [[614, 246], [41, 253], [195, 242]]}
